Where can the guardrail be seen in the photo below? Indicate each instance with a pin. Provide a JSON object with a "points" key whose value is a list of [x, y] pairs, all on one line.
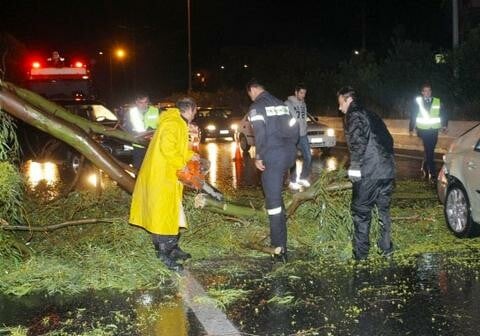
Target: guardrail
{"points": [[403, 140]]}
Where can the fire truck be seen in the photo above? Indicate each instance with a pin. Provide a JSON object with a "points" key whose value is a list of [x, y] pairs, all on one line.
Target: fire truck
{"points": [[60, 82], [69, 85]]}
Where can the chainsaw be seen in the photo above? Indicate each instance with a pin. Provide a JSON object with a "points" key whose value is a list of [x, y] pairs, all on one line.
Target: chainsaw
{"points": [[193, 176]]}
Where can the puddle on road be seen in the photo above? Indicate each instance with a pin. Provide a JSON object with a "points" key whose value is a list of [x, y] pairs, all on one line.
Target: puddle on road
{"points": [[430, 297], [99, 313]]}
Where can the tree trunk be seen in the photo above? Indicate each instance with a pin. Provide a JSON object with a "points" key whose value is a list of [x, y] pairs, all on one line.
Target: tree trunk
{"points": [[68, 133], [229, 209], [56, 110]]}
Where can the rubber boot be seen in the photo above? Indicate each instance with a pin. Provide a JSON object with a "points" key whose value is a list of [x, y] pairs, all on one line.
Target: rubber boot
{"points": [[280, 258], [165, 248], [179, 254]]}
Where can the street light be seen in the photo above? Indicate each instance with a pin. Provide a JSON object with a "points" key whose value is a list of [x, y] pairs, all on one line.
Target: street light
{"points": [[120, 54]]}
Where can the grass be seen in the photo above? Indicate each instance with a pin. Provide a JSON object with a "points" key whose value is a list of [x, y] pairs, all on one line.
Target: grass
{"points": [[119, 257]]}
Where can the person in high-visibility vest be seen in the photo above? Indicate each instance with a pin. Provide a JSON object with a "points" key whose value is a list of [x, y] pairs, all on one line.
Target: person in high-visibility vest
{"points": [[143, 117], [428, 117]]}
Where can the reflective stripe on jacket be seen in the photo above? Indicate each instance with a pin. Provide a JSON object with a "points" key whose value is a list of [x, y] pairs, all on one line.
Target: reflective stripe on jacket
{"points": [[428, 119]]}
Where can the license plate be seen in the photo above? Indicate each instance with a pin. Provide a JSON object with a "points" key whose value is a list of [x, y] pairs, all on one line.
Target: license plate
{"points": [[316, 140], [223, 131]]}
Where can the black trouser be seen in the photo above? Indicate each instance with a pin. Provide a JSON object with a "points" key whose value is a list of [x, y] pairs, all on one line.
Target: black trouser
{"points": [[365, 195], [138, 154], [429, 138], [277, 162]]}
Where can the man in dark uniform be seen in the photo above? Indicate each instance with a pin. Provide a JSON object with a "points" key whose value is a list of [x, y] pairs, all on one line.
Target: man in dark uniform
{"points": [[276, 136], [372, 172], [427, 117]]}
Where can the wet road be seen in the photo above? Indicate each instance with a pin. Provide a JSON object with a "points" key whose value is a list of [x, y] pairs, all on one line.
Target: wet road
{"points": [[430, 297], [231, 167]]}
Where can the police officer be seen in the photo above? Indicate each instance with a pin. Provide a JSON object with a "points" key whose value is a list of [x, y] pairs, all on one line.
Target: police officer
{"points": [[372, 172], [428, 116], [143, 117], [276, 136]]}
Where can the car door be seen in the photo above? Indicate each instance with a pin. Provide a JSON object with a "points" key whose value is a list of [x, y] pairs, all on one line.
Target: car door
{"points": [[472, 178]]}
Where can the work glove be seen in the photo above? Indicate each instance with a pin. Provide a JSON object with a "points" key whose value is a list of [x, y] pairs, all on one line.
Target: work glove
{"points": [[354, 174]]}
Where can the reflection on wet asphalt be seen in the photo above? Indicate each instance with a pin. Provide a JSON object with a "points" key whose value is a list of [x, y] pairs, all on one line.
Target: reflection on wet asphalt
{"points": [[148, 313], [430, 297], [231, 167]]}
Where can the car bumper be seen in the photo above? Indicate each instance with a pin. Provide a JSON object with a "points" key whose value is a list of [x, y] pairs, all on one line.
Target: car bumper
{"points": [[317, 141], [222, 133], [442, 184]]}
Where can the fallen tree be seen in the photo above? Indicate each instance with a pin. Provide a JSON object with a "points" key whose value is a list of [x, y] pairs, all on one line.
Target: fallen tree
{"points": [[69, 133]]}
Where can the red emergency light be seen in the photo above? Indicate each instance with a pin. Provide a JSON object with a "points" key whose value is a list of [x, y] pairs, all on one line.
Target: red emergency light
{"points": [[78, 64], [36, 65]]}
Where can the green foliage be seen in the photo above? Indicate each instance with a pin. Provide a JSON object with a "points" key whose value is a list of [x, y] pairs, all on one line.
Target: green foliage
{"points": [[468, 70], [114, 256], [11, 194], [9, 146]]}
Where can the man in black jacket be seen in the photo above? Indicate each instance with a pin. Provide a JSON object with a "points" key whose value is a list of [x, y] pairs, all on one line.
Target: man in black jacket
{"points": [[276, 137], [372, 172]]}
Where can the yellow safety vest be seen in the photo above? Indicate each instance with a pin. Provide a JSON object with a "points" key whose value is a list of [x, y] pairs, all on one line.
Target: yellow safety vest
{"points": [[142, 123], [428, 119]]}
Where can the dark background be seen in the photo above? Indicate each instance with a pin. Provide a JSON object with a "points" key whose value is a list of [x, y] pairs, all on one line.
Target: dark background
{"points": [[154, 33]]}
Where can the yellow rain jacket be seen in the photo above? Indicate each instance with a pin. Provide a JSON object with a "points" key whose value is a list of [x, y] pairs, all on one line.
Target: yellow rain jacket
{"points": [[157, 196]]}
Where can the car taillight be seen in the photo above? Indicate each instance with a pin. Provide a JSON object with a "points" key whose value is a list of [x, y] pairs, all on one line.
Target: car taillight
{"points": [[36, 65], [78, 64]]}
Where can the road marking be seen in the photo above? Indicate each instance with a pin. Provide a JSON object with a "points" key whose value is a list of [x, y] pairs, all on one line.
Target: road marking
{"points": [[212, 319]]}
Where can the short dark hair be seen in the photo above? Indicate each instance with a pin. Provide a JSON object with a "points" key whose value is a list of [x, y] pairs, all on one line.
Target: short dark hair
{"points": [[185, 103], [425, 85], [141, 95], [254, 83], [347, 91], [300, 86]]}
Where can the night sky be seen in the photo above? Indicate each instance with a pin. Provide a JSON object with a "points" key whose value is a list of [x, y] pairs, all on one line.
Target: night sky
{"points": [[157, 31]]}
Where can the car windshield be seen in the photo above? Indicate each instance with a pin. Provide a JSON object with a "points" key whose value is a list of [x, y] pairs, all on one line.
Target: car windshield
{"points": [[93, 112], [214, 113]]}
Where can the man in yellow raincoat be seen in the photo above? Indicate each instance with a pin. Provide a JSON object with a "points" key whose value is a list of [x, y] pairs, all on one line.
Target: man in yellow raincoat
{"points": [[157, 197]]}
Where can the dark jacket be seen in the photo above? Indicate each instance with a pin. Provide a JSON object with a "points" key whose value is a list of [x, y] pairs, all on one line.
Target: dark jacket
{"points": [[369, 142], [268, 135]]}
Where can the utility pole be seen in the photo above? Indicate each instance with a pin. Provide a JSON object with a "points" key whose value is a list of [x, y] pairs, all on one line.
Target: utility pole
{"points": [[189, 49], [364, 26], [455, 38]]}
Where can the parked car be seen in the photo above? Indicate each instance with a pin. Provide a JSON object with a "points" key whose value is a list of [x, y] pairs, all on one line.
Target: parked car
{"points": [[458, 184], [96, 111], [319, 135], [42, 146], [215, 123]]}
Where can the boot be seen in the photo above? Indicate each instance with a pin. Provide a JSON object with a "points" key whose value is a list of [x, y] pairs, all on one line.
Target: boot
{"points": [[165, 249], [179, 254], [280, 257]]}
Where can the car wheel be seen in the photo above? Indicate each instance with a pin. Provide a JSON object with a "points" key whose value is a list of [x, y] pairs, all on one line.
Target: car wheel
{"points": [[74, 161], [457, 211], [244, 143]]}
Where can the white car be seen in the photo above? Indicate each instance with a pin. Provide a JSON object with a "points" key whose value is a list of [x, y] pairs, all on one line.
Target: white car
{"points": [[319, 135], [458, 184]]}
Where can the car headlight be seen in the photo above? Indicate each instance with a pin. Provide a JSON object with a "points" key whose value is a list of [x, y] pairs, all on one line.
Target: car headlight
{"points": [[234, 127], [211, 127], [330, 132]]}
